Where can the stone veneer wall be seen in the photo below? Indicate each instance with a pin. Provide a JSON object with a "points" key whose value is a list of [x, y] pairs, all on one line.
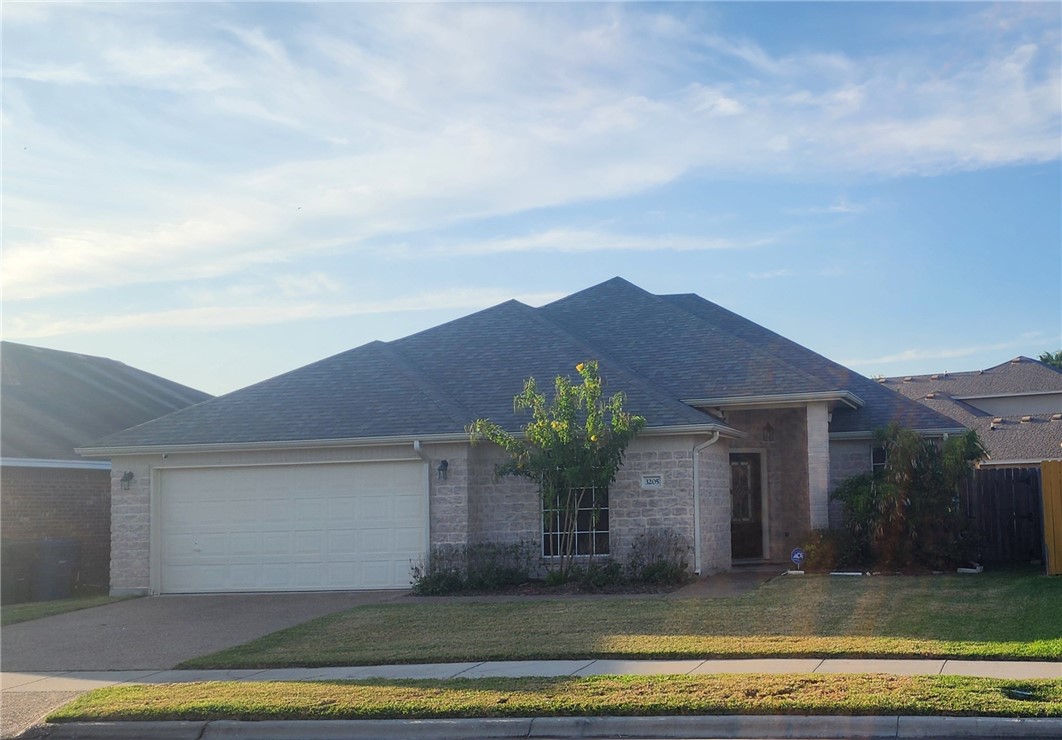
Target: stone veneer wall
{"points": [[501, 510], [714, 484], [634, 510], [448, 505], [508, 510]]}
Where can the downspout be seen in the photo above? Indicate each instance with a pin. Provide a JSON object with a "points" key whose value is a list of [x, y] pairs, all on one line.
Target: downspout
{"points": [[427, 496], [697, 501]]}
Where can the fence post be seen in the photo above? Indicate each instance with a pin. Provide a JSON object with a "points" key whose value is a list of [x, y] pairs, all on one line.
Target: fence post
{"points": [[1051, 485]]}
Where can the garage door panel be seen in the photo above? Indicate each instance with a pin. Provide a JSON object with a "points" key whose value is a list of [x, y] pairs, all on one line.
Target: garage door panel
{"points": [[298, 527]]}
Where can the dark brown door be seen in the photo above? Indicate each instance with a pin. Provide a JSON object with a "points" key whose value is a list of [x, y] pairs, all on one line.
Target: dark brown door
{"points": [[746, 507]]}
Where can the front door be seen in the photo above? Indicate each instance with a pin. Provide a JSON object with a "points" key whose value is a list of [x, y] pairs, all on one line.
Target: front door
{"points": [[746, 506]]}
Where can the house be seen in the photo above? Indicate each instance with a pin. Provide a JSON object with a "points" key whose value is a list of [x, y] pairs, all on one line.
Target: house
{"points": [[1015, 407], [51, 402], [337, 475]]}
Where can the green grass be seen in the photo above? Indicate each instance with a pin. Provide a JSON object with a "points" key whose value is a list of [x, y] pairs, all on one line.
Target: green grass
{"points": [[1004, 615], [15, 613], [598, 695]]}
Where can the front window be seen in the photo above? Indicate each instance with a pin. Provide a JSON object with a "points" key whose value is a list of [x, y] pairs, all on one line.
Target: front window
{"points": [[878, 458], [578, 525]]}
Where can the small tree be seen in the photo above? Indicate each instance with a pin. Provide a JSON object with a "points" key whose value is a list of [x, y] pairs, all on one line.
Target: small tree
{"points": [[574, 444], [907, 514]]}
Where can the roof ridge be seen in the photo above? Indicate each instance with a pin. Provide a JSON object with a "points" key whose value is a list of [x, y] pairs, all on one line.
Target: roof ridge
{"points": [[659, 391], [460, 415], [753, 347]]}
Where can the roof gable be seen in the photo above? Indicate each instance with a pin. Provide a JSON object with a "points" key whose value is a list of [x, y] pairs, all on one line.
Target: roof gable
{"points": [[881, 407], [674, 348]]}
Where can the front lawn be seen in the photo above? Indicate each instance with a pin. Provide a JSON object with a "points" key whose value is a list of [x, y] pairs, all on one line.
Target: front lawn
{"points": [[15, 613], [597, 695], [1002, 615]]}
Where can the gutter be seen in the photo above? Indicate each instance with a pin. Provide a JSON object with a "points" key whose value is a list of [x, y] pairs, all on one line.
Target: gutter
{"points": [[922, 432], [360, 442], [33, 462], [269, 445], [697, 501], [773, 401]]}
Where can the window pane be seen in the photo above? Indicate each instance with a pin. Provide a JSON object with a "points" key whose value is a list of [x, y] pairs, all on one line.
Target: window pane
{"points": [[587, 522]]}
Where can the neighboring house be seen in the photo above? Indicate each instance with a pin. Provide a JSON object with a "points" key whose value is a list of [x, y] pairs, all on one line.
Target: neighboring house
{"points": [[339, 474], [51, 402], [1015, 407]]}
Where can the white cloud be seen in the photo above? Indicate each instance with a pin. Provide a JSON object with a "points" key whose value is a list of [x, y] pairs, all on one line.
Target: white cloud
{"points": [[942, 353], [588, 240], [771, 274], [206, 140], [260, 310]]}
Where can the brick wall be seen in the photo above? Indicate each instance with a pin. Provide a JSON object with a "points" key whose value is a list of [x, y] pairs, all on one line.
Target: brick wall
{"points": [[66, 503]]}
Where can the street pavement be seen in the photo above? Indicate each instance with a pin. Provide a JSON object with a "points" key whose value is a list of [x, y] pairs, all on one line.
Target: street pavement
{"points": [[148, 634]]}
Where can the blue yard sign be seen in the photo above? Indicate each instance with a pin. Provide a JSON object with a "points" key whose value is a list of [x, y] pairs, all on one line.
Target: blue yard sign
{"points": [[798, 557]]}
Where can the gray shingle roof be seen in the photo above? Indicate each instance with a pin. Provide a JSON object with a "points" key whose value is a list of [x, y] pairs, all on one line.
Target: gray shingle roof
{"points": [[53, 401], [1020, 375], [1037, 438], [658, 350]]}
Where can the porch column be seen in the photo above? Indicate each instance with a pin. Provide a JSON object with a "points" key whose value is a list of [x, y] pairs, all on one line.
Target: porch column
{"points": [[819, 465]]}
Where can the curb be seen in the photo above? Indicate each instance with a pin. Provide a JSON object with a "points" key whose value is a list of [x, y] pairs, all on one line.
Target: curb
{"points": [[779, 727]]}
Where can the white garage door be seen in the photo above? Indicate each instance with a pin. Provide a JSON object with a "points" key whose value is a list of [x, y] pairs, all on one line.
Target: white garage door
{"points": [[291, 527]]}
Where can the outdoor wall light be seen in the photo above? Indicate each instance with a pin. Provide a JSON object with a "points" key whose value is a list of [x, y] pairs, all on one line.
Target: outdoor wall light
{"points": [[443, 467], [768, 433], [127, 478]]}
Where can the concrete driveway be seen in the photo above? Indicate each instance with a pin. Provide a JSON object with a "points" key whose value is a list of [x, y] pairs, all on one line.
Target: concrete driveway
{"points": [[149, 633]]}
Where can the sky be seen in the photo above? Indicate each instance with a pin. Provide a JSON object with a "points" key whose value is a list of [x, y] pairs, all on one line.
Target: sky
{"points": [[219, 193]]}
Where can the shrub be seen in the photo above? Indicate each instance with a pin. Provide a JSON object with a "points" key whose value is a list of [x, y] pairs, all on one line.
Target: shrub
{"points": [[907, 515], [482, 567], [490, 566], [833, 549], [659, 556]]}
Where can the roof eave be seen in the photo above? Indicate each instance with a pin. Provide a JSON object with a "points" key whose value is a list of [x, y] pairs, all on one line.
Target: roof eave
{"points": [[37, 462], [112, 451], [270, 445], [1015, 463], [777, 400], [870, 434], [722, 429]]}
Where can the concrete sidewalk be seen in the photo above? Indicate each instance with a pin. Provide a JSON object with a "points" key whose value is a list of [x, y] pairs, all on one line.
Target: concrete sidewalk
{"points": [[81, 681]]}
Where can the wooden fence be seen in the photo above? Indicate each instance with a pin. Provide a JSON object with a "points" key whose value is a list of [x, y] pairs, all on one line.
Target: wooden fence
{"points": [[1004, 508], [1052, 492]]}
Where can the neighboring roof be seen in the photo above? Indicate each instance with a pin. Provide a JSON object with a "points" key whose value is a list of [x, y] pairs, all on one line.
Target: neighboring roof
{"points": [[658, 350], [1026, 437], [52, 402], [1022, 375]]}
